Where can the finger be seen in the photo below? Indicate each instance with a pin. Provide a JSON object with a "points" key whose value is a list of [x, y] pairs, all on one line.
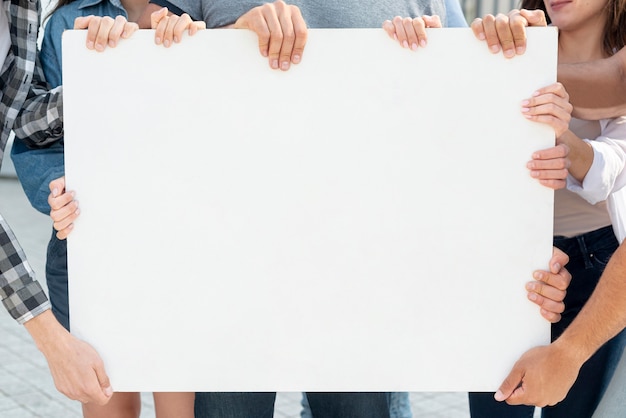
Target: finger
{"points": [[505, 35], [560, 163], [518, 23], [82, 22], [168, 34], [66, 220], [180, 27], [301, 32], [560, 280], [398, 23], [389, 27], [418, 32], [478, 29], [491, 35], [550, 309], [103, 380], [59, 202], [535, 17], [559, 151], [116, 31], [275, 35], [102, 38], [64, 211], [92, 31], [559, 259], [556, 88], [289, 37], [433, 21], [129, 29], [65, 232], [196, 26], [510, 383], [550, 316], [553, 184], [518, 397], [559, 176], [156, 17], [57, 186], [159, 31], [543, 294]]}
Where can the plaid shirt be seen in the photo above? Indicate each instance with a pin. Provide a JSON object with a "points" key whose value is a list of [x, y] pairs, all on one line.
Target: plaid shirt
{"points": [[34, 113]]}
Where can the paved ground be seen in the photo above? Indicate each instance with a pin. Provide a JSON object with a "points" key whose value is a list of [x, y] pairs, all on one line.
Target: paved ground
{"points": [[26, 388]]}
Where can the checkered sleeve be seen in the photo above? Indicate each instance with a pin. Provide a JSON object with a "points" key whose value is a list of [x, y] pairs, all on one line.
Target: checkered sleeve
{"points": [[21, 294], [40, 121]]}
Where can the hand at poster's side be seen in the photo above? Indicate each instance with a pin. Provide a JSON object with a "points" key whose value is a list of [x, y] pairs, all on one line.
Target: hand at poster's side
{"points": [[550, 286], [63, 208]]}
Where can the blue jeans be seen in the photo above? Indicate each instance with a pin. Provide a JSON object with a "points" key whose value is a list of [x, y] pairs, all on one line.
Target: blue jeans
{"points": [[589, 253], [614, 399], [261, 404], [399, 406], [56, 278]]}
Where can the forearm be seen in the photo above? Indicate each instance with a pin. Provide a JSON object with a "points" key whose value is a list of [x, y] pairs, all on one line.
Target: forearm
{"points": [[597, 89], [580, 155], [604, 315], [40, 122], [22, 296]]}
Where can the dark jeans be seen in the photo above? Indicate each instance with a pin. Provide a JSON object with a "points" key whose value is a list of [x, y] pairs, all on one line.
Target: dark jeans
{"points": [[261, 404], [589, 253], [56, 278]]}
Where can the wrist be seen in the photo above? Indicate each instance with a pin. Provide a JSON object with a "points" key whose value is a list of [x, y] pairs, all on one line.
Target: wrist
{"points": [[45, 330], [572, 351]]}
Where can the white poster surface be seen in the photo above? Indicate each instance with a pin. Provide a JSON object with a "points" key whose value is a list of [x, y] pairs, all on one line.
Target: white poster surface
{"points": [[362, 222]]}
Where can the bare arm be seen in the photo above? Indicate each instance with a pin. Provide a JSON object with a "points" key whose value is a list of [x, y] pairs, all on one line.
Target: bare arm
{"points": [[544, 375], [597, 89], [76, 368]]}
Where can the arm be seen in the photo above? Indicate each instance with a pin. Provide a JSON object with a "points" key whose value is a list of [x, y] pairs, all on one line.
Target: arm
{"points": [[76, 368], [606, 159], [22, 296], [597, 89], [544, 375]]}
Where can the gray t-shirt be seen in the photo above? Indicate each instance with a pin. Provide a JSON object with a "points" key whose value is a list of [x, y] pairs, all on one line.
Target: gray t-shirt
{"points": [[317, 13]]}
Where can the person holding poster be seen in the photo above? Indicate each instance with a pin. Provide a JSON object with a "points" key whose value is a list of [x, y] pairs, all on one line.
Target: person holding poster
{"points": [[36, 168], [597, 91], [32, 111], [588, 215]]}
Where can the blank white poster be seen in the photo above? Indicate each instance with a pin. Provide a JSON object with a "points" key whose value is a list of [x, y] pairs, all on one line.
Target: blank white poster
{"points": [[362, 222]]}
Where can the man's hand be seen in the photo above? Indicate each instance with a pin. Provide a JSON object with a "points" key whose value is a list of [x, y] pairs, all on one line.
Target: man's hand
{"points": [[169, 28], [76, 368], [542, 376], [281, 31], [550, 287], [507, 32], [105, 31], [411, 32]]}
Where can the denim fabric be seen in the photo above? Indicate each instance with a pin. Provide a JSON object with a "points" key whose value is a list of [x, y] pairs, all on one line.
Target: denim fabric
{"points": [[56, 278], [399, 406], [589, 253], [613, 403], [261, 405]]}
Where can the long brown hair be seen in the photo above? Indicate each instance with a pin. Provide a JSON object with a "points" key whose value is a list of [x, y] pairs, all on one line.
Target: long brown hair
{"points": [[614, 31]]}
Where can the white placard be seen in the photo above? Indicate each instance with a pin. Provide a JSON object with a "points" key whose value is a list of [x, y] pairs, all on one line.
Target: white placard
{"points": [[362, 222]]}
